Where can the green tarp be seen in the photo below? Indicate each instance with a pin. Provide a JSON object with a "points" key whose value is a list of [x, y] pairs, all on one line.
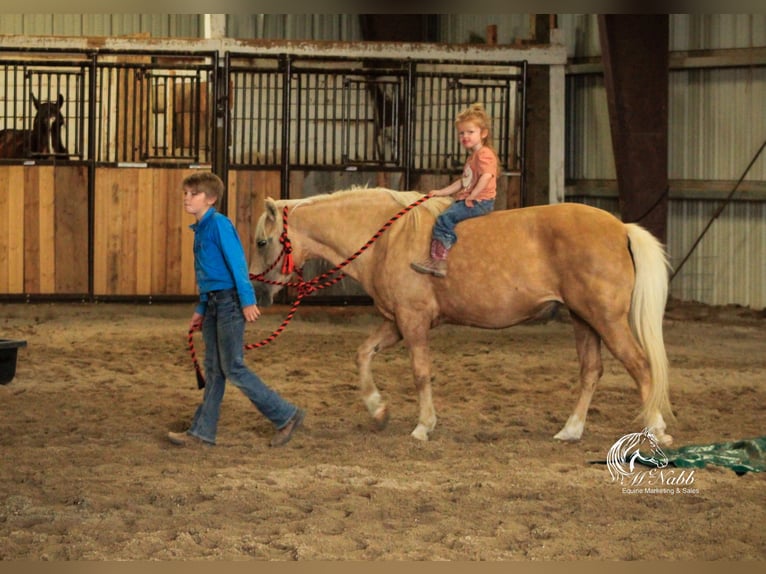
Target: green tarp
{"points": [[740, 456]]}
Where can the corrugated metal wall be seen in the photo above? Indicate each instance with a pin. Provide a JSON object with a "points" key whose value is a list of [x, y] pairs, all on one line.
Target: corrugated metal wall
{"points": [[453, 28], [337, 27], [717, 123], [687, 32], [717, 31], [580, 34], [717, 117], [467, 28], [588, 150], [728, 266], [154, 25]]}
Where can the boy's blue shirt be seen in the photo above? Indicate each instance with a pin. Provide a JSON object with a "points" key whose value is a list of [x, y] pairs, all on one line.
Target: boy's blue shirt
{"points": [[219, 259]]}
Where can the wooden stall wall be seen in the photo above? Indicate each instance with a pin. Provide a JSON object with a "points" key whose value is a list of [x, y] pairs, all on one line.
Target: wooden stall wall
{"points": [[43, 230], [11, 229], [142, 241]]}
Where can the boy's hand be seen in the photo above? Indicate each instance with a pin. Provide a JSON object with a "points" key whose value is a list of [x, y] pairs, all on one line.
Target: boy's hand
{"points": [[251, 312], [196, 322]]}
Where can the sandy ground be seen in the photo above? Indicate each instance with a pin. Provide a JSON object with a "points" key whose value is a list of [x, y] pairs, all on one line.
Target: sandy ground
{"points": [[87, 473]]}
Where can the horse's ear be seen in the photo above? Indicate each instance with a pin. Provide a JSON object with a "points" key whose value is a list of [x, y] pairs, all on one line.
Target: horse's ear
{"points": [[271, 210], [60, 101], [35, 101]]}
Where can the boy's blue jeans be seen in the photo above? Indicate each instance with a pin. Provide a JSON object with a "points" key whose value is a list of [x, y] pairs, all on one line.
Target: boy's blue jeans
{"points": [[444, 228], [223, 331]]}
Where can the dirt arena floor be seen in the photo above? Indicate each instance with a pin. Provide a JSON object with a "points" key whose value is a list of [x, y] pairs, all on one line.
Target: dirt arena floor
{"points": [[87, 473]]}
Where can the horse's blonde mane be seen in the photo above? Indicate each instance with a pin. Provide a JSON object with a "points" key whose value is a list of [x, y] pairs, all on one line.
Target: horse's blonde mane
{"points": [[434, 205]]}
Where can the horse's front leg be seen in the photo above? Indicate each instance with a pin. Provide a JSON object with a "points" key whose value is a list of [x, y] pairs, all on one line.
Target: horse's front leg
{"points": [[383, 337], [415, 334], [421, 368]]}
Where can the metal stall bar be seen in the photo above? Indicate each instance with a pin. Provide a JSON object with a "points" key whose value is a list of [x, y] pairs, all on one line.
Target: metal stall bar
{"points": [[157, 108]]}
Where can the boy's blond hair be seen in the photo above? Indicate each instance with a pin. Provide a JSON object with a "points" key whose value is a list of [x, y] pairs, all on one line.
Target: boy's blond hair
{"points": [[205, 182]]}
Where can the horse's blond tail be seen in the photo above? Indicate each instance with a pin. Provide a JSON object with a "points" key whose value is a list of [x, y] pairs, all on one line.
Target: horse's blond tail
{"points": [[647, 308]]}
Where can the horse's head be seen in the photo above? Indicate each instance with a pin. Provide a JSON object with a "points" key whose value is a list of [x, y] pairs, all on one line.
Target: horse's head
{"points": [[47, 126], [271, 257], [49, 113]]}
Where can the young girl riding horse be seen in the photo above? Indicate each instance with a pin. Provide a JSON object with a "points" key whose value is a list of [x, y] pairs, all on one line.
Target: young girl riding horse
{"points": [[474, 192]]}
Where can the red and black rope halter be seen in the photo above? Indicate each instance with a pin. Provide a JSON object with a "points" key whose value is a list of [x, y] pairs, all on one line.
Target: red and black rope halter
{"points": [[304, 288]]}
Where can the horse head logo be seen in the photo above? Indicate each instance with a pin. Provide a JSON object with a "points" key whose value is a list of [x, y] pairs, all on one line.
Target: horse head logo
{"points": [[642, 447]]}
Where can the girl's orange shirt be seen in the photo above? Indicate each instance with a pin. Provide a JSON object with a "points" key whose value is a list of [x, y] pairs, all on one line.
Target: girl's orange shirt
{"points": [[478, 163]]}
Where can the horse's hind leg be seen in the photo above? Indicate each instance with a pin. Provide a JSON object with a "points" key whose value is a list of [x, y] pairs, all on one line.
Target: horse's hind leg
{"points": [[589, 352], [383, 337], [622, 344]]}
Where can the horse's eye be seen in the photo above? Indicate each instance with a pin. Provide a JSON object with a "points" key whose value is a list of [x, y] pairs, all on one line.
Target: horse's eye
{"points": [[261, 243]]}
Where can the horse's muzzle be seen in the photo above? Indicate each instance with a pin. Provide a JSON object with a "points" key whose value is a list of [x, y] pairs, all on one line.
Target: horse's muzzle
{"points": [[262, 294]]}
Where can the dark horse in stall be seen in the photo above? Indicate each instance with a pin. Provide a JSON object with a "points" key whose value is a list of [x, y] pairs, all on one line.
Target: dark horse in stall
{"points": [[43, 141]]}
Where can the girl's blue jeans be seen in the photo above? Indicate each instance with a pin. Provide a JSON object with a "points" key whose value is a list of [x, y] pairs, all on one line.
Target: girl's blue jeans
{"points": [[444, 228], [223, 331]]}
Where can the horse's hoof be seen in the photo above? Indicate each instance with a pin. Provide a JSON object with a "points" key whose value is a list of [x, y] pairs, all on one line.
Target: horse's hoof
{"points": [[380, 418], [572, 430], [566, 436], [420, 433], [665, 440]]}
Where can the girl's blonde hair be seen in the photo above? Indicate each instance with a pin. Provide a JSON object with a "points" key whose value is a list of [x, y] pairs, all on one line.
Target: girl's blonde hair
{"points": [[476, 114]]}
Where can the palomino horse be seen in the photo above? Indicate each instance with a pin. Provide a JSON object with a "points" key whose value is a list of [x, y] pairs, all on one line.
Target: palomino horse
{"points": [[43, 140], [507, 267]]}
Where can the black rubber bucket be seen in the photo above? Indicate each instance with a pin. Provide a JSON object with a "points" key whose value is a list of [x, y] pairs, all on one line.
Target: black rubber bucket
{"points": [[8, 351]]}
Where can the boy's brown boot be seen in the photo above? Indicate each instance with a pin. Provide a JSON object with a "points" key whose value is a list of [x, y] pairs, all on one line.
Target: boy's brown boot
{"points": [[283, 435], [185, 439]]}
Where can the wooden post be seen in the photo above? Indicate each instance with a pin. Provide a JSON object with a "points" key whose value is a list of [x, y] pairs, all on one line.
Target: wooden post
{"points": [[492, 35], [636, 63]]}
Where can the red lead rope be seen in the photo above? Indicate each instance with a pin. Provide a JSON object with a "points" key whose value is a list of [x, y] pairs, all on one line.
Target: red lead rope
{"points": [[305, 288]]}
